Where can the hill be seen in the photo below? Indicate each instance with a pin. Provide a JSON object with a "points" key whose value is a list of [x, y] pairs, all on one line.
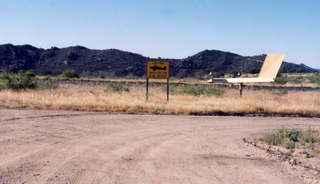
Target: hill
{"points": [[117, 63]]}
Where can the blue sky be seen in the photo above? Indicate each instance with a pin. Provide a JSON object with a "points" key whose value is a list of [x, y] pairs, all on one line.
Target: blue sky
{"points": [[168, 28]]}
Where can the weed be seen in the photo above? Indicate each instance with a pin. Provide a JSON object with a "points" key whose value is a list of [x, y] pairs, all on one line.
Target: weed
{"points": [[280, 92], [272, 139], [309, 137], [293, 138], [317, 151], [286, 137], [288, 144], [212, 91], [307, 154], [200, 90], [48, 84], [315, 79], [117, 88], [69, 74], [192, 90]]}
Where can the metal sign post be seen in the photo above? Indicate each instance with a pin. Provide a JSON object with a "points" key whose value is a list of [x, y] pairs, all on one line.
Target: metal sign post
{"points": [[168, 90], [157, 70], [147, 89]]}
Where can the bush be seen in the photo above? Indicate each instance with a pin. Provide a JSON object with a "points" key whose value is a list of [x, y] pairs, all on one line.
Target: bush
{"points": [[315, 79], [29, 74], [293, 134], [309, 139], [285, 137], [289, 137], [281, 80], [117, 88], [22, 80], [48, 84], [297, 80], [69, 74], [200, 90], [3, 84]]}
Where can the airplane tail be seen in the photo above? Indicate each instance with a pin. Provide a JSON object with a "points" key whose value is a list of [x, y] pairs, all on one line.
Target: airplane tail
{"points": [[271, 66]]}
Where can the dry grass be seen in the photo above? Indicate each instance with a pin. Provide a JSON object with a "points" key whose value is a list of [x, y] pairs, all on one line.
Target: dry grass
{"points": [[93, 98]]}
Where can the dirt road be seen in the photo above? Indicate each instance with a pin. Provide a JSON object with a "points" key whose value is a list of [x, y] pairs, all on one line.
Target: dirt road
{"points": [[79, 147]]}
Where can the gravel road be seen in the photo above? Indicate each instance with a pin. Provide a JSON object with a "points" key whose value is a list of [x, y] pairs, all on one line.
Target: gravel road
{"points": [[81, 147]]}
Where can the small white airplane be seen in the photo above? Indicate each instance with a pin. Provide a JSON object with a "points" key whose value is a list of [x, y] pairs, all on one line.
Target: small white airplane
{"points": [[268, 72]]}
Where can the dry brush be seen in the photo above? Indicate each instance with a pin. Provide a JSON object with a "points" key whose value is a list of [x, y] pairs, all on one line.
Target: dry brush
{"points": [[96, 98]]}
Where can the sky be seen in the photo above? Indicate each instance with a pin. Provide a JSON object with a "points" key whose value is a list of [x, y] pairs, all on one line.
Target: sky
{"points": [[168, 28]]}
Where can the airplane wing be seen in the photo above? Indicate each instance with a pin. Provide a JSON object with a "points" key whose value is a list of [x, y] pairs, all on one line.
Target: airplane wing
{"points": [[241, 80]]}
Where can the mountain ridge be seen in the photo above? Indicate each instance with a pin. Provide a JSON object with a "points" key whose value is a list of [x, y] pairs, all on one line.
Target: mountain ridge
{"points": [[118, 63]]}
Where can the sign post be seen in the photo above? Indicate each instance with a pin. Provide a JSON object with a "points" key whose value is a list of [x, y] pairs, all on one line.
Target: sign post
{"points": [[157, 70], [147, 90]]}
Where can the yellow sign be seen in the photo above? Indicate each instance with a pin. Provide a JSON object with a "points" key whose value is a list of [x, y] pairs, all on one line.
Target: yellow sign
{"points": [[158, 69]]}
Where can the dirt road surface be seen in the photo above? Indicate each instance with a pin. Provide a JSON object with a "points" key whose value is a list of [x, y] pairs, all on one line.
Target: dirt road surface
{"points": [[81, 147]]}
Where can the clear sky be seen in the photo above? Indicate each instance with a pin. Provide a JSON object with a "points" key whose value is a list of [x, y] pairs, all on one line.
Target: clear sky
{"points": [[168, 28]]}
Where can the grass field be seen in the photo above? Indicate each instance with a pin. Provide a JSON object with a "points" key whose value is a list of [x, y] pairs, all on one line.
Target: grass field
{"points": [[132, 100], [311, 80]]}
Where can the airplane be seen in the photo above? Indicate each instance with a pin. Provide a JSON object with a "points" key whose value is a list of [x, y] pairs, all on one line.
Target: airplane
{"points": [[268, 73]]}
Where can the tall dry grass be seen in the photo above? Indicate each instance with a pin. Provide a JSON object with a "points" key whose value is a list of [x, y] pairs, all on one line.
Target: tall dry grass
{"points": [[94, 98]]}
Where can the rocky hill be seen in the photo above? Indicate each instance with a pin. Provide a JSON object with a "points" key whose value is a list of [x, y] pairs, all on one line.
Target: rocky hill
{"points": [[117, 63]]}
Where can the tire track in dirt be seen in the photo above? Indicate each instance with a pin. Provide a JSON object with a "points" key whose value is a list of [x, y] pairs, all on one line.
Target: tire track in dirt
{"points": [[140, 149], [47, 116], [132, 161], [54, 153], [95, 163]]}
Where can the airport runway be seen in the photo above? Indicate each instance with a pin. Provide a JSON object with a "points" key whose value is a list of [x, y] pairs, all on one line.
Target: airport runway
{"points": [[81, 147]]}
